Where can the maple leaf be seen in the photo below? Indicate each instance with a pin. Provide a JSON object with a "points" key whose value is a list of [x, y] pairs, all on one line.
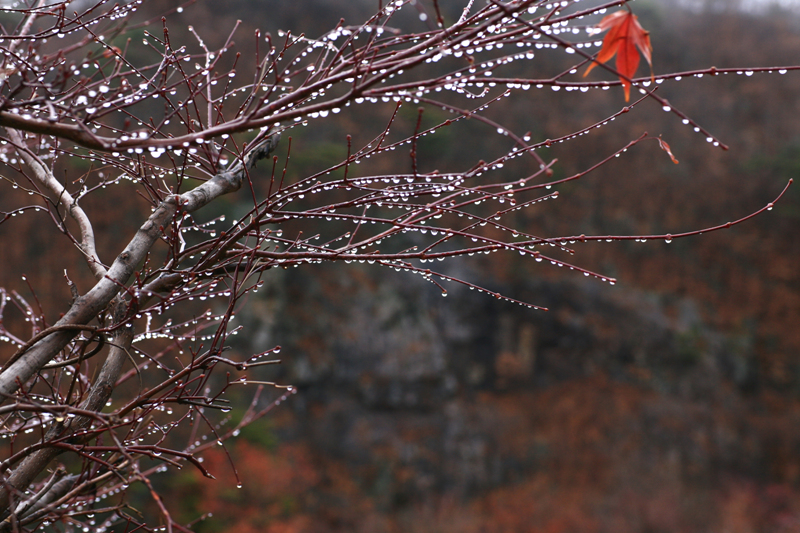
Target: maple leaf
{"points": [[624, 36]]}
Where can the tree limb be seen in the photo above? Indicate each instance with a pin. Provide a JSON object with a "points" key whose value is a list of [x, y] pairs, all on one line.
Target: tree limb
{"points": [[90, 305], [42, 174]]}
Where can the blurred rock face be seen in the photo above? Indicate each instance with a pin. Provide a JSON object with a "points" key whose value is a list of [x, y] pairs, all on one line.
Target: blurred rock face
{"points": [[623, 402], [666, 403]]}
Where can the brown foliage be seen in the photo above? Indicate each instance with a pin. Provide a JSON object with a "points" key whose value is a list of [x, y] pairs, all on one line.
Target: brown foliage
{"points": [[146, 363]]}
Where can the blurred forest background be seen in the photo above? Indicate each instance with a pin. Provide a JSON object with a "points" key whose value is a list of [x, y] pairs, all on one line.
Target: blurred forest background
{"points": [[668, 402]]}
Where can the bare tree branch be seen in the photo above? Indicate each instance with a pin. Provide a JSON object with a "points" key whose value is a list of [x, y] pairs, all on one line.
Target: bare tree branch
{"points": [[61, 196], [90, 305], [157, 117]]}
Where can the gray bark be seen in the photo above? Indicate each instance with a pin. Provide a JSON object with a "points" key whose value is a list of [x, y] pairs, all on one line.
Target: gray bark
{"points": [[90, 305]]}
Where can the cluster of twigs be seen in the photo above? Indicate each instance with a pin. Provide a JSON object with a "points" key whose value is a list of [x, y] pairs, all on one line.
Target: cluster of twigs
{"points": [[186, 128]]}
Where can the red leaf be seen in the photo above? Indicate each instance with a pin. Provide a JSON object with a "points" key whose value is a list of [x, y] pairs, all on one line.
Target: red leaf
{"points": [[664, 146], [624, 36]]}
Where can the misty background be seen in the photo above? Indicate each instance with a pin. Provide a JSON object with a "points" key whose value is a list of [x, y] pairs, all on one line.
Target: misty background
{"points": [[667, 402]]}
